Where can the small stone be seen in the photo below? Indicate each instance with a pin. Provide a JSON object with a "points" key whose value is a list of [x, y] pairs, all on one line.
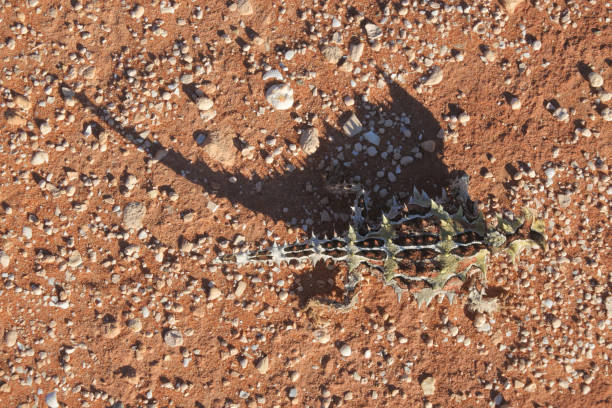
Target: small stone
{"points": [[204, 103], [345, 350], [13, 119], [309, 140], [44, 128], [213, 294], [609, 306], [606, 114], [355, 51], [292, 393], [515, 104], [561, 114], [428, 385], [429, 146], [134, 324], [240, 288], [373, 31], [322, 336], [464, 118], [352, 126], [435, 77], [89, 72], [137, 11], [22, 102], [556, 323], [10, 338], [531, 387], [173, 338], [4, 259], [479, 320], [372, 137], [220, 147], [39, 157], [272, 74], [130, 181], [585, 389], [186, 79], [262, 365], [133, 214], [110, 330], [280, 96], [595, 79], [331, 53], [74, 259], [511, 5], [51, 400], [245, 8]]}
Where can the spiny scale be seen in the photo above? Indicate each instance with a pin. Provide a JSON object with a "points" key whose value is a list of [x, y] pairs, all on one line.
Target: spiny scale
{"points": [[417, 242]]}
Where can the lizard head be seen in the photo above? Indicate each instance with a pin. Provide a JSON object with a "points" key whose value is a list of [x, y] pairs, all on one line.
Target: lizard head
{"points": [[517, 233]]}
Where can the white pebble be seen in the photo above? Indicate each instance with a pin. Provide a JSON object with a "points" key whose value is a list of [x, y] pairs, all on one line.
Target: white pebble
{"points": [[345, 350], [280, 96]]}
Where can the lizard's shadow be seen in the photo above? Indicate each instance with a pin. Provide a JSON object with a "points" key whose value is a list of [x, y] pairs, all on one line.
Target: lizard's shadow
{"points": [[285, 196]]}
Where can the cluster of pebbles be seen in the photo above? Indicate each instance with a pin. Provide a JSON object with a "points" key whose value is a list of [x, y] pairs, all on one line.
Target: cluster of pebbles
{"points": [[108, 295]]}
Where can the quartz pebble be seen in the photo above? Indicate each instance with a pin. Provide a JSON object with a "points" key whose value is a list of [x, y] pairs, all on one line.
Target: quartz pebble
{"points": [[10, 338], [331, 54], [133, 214], [372, 137], [44, 128], [51, 400], [137, 11], [373, 31], [22, 102], [39, 158], [355, 51], [204, 103], [429, 146], [214, 294], [345, 350], [262, 365], [280, 96], [173, 338], [428, 385], [245, 8], [511, 5], [4, 259], [515, 104], [309, 140], [435, 77], [595, 79]]}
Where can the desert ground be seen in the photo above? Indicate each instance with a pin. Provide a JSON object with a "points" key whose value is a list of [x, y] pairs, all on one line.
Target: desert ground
{"points": [[143, 140]]}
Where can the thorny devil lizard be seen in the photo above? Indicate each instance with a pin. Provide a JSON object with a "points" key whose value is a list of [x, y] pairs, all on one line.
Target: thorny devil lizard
{"points": [[420, 242]]}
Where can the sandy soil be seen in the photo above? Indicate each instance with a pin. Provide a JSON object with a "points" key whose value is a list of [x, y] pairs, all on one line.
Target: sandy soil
{"points": [[137, 145]]}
